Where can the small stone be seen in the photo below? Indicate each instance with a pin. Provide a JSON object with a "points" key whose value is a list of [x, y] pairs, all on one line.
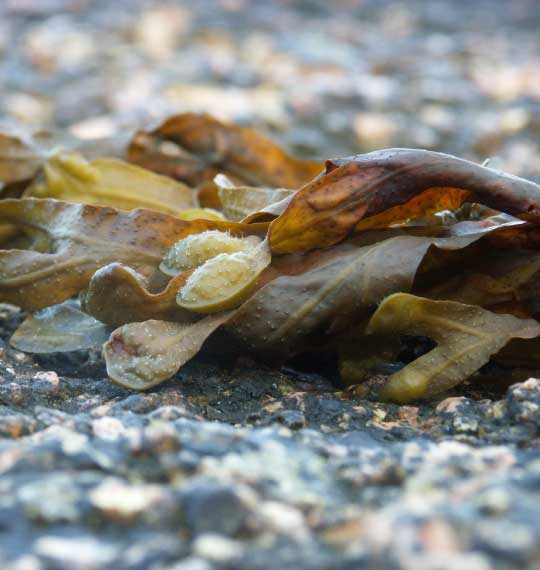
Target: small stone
{"points": [[50, 377], [28, 109], [100, 411], [217, 548], [284, 519], [375, 130], [25, 562], [217, 508], [53, 499], [528, 385], [379, 414], [497, 410], [494, 501], [506, 538], [523, 401], [120, 501], [450, 405], [156, 546], [108, 428], [16, 425], [160, 437], [408, 413], [159, 30], [169, 413], [293, 419], [190, 563], [80, 552], [465, 424], [343, 533], [46, 382], [439, 537]]}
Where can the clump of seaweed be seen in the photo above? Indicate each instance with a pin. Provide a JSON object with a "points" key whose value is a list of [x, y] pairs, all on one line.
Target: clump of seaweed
{"points": [[282, 255]]}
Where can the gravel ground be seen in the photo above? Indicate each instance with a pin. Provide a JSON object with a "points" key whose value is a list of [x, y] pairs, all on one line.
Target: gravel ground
{"points": [[231, 465]]}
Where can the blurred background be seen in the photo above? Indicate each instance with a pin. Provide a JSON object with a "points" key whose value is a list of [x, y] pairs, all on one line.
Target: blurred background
{"points": [[325, 78]]}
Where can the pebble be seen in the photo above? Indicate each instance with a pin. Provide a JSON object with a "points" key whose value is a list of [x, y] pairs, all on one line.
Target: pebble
{"points": [[53, 499], [217, 548], [80, 552], [108, 428], [120, 501], [212, 507], [191, 563]]}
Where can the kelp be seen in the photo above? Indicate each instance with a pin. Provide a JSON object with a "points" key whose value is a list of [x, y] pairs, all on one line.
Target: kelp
{"points": [[23, 153], [196, 249], [225, 281], [239, 202], [307, 301], [142, 355], [20, 157], [466, 336], [340, 287], [109, 182], [69, 242], [60, 328], [495, 278], [401, 183], [412, 242], [362, 356], [117, 295], [194, 148]]}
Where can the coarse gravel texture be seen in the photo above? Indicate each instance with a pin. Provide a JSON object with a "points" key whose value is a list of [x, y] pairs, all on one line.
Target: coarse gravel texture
{"points": [[232, 465]]}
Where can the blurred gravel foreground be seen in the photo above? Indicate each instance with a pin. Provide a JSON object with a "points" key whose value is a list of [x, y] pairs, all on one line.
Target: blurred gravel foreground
{"points": [[231, 465]]}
